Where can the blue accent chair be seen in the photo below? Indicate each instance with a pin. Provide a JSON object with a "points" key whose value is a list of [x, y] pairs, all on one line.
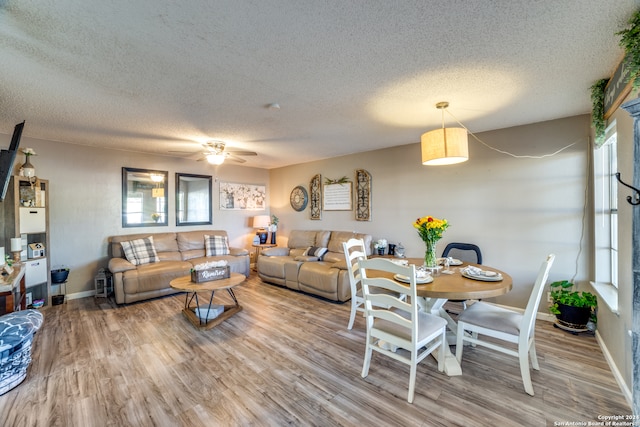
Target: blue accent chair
{"points": [[16, 335]]}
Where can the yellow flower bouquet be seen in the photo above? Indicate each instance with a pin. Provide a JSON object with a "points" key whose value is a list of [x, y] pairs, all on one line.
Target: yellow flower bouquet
{"points": [[430, 230]]}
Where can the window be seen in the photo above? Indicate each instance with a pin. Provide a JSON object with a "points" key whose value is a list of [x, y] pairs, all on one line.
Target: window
{"points": [[606, 218]]}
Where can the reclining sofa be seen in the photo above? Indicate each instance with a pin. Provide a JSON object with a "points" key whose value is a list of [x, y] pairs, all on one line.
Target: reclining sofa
{"points": [[313, 262], [175, 255]]}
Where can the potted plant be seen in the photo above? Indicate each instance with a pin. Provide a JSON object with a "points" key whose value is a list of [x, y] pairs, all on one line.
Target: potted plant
{"points": [[573, 309]]}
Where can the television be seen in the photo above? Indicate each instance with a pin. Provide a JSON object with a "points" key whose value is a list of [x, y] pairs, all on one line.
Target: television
{"points": [[7, 157]]}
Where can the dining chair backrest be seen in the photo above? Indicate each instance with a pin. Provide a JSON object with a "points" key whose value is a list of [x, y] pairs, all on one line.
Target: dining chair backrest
{"points": [[354, 249], [463, 251], [529, 316], [393, 322], [503, 324], [379, 304]]}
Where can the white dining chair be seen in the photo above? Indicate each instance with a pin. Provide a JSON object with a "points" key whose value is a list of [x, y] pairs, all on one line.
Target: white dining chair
{"points": [[355, 249], [402, 331], [507, 325]]}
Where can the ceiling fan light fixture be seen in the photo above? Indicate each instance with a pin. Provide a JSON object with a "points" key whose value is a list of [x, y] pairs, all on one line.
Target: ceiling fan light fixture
{"points": [[215, 158], [445, 146], [156, 177]]}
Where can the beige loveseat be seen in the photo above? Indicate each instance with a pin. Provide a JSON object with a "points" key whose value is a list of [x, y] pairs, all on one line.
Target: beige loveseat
{"points": [[326, 277], [177, 253]]}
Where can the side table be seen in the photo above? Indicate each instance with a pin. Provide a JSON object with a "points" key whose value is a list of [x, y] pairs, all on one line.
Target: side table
{"points": [[12, 290], [260, 248]]}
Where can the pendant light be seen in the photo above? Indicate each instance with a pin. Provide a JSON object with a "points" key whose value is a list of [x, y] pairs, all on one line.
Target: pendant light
{"points": [[445, 146]]}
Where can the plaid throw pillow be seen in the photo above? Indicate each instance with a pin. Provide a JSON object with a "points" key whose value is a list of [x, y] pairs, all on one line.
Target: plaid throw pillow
{"points": [[316, 252], [216, 245], [140, 251]]}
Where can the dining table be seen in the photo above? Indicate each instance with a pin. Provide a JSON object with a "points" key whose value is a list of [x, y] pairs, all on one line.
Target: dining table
{"points": [[450, 284]]}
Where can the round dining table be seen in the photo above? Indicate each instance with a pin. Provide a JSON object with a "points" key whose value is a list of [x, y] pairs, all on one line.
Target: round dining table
{"points": [[453, 285]]}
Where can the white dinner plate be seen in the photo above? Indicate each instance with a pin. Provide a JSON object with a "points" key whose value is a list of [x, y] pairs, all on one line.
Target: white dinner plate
{"points": [[405, 279], [496, 278]]}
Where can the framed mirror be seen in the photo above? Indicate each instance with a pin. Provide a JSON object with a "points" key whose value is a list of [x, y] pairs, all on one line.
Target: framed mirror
{"points": [[193, 199], [144, 197]]}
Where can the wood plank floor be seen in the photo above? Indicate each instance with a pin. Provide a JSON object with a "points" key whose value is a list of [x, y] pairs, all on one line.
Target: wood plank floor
{"points": [[286, 359]]}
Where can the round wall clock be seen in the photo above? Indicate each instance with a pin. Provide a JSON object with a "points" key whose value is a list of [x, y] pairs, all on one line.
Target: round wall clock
{"points": [[299, 198]]}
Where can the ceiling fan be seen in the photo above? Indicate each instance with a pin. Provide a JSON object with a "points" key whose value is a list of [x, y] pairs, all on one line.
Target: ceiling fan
{"points": [[215, 153]]}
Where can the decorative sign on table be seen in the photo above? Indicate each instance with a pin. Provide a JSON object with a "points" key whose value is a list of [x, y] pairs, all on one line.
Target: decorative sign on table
{"points": [[209, 271], [337, 197], [210, 274]]}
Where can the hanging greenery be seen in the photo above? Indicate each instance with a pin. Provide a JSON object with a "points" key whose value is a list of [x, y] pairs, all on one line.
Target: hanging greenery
{"points": [[597, 113], [342, 180], [630, 41]]}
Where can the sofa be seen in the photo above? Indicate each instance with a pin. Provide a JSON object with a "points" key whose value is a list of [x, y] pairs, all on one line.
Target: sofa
{"points": [[299, 267], [166, 256]]}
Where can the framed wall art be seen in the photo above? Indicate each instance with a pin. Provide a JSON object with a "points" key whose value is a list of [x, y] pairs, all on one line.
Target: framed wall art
{"points": [[234, 196], [337, 197], [363, 195], [315, 187]]}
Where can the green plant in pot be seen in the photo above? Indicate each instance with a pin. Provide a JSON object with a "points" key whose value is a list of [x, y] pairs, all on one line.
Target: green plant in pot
{"points": [[573, 309]]}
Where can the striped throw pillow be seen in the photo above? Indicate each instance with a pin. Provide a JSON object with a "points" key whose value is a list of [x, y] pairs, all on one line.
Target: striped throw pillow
{"points": [[316, 251], [140, 251], [216, 245]]}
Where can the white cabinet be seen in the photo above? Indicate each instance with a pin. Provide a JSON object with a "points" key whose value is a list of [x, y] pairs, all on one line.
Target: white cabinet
{"points": [[33, 220], [36, 272]]}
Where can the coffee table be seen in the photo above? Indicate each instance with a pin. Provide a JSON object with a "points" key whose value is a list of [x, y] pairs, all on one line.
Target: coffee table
{"points": [[185, 284]]}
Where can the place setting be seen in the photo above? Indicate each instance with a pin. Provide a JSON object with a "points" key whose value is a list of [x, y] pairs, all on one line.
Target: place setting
{"points": [[422, 277], [476, 273]]}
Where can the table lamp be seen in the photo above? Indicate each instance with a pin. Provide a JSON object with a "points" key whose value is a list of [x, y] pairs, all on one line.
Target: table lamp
{"points": [[262, 222], [16, 248]]}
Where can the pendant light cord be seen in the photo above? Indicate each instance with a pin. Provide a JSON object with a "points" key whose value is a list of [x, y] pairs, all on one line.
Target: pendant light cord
{"points": [[506, 152]]}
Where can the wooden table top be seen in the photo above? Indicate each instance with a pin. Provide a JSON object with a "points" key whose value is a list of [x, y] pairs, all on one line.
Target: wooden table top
{"points": [[457, 287], [184, 283]]}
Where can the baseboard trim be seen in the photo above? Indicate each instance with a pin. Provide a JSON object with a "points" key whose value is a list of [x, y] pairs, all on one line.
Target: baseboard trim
{"points": [[626, 391], [79, 295]]}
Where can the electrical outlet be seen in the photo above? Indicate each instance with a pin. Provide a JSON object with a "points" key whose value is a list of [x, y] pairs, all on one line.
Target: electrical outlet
{"points": [[549, 299]]}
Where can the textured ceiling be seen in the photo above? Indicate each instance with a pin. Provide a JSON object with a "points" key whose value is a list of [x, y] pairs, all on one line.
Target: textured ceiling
{"points": [[163, 76]]}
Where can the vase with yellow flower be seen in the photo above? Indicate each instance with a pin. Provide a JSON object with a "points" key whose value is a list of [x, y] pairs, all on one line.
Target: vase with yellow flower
{"points": [[430, 230]]}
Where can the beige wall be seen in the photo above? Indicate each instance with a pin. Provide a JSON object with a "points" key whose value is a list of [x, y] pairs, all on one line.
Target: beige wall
{"points": [[85, 201], [517, 210]]}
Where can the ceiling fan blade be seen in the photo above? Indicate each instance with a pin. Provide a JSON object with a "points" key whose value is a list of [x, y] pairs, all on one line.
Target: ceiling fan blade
{"points": [[241, 153], [235, 159]]}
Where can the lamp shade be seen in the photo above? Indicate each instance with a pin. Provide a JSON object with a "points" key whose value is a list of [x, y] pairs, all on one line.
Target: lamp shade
{"points": [[261, 221], [16, 244], [445, 146]]}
